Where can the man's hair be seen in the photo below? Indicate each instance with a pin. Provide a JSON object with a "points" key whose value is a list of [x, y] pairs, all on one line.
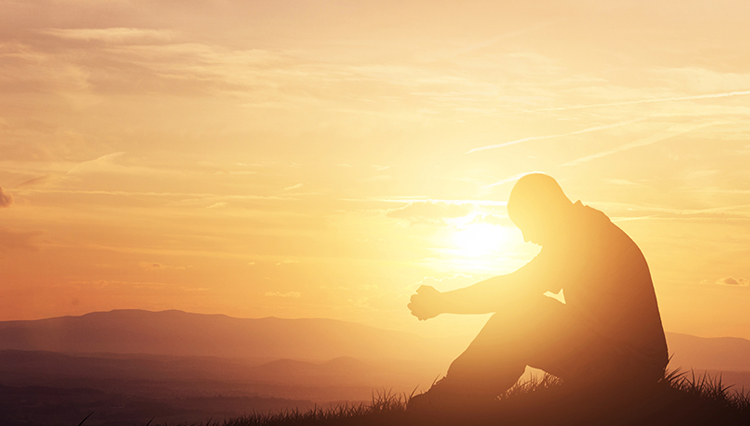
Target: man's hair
{"points": [[535, 196]]}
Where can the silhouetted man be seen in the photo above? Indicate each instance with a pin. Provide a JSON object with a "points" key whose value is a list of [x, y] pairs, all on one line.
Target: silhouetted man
{"points": [[608, 331]]}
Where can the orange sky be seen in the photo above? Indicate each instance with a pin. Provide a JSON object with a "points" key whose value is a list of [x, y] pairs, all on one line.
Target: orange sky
{"points": [[298, 159]]}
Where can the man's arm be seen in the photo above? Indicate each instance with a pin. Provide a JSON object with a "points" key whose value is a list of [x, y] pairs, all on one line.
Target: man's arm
{"points": [[484, 297]]}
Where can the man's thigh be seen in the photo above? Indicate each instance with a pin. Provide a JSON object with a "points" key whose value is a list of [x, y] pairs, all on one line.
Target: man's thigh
{"points": [[563, 345], [542, 334]]}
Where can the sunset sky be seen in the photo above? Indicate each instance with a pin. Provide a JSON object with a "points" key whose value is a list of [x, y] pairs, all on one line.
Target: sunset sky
{"points": [[325, 158]]}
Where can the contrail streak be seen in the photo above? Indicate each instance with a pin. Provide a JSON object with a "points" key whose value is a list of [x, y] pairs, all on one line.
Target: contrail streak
{"points": [[671, 132], [534, 138], [647, 101], [501, 37]]}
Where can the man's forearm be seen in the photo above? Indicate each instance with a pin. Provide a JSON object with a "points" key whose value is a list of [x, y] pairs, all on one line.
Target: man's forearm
{"points": [[481, 298]]}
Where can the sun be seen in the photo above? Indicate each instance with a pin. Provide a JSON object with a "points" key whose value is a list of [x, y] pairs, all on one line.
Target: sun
{"points": [[474, 244], [479, 240]]}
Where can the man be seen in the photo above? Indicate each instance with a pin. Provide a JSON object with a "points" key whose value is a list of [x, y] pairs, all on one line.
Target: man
{"points": [[608, 331]]}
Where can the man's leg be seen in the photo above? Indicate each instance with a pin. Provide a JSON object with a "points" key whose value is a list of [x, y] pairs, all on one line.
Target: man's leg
{"points": [[509, 341], [491, 364]]}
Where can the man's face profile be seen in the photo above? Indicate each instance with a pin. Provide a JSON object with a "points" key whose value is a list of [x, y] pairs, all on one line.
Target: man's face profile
{"points": [[536, 206]]}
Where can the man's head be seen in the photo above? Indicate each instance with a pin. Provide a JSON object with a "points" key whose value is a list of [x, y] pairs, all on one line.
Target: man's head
{"points": [[539, 207]]}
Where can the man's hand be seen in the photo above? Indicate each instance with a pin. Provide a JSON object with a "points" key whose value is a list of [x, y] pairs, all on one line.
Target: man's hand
{"points": [[427, 303]]}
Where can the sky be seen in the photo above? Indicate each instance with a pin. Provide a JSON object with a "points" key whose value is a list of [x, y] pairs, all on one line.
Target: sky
{"points": [[326, 158]]}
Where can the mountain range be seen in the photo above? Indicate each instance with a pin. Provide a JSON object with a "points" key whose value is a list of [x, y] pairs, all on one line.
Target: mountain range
{"points": [[132, 365], [186, 334], [177, 333]]}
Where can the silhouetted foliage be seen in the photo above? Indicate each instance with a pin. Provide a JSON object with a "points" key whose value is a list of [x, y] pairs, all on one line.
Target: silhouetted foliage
{"points": [[678, 399]]}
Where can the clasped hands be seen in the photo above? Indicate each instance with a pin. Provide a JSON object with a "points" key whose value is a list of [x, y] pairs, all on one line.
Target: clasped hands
{"points": [[427, 303]]}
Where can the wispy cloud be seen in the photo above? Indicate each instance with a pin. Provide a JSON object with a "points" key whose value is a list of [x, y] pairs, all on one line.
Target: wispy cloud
{"points": [[35, 181], [428, 200], [292, 294], [5, 198], [297, 186], [676, 130], [202, 195], [12, 240], [644, 211], [505, 36], [430, 211], [508, 179], [154, 266], [648, 101], [105, 163], [733, 281], [110, 35], [535, 138]]}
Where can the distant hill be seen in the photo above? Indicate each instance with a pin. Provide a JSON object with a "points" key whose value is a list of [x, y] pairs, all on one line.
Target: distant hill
{"points": [[709, 353], [187, 334], [178, 333], [169, 363], [21, 368]]}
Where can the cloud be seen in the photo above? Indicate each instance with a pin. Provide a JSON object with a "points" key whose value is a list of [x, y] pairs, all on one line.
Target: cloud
{"points": [[534, 138], [111, 35], [151, 265], [491, 203], [289, 188], [35, 181], [632, 211], [218, 205], [673, 131], [378, 178], [105, 163], [292, 294], [490, 219], [155, 266], [619, 182], [731, 281], [509, 179], [430, 211], [10, 240], [116, 163], [505, 36], [5, 198], [649, 101]]}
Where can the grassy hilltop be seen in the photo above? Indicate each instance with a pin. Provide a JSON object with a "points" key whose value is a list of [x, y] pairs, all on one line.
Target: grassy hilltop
{"points": [[678, 399]]}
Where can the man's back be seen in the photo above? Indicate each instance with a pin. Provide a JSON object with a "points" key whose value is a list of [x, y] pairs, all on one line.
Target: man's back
{"points": [[607, 284]]}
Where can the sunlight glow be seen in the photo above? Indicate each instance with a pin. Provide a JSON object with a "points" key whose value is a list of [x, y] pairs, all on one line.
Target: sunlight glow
{"points": [[471, 244], [479, 239]]}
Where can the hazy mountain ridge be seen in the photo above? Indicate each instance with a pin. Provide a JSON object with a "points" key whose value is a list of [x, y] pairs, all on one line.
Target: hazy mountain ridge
{"points": [[178, 333], [179, 365], [711, 353], [186, 334], [38, 367]]}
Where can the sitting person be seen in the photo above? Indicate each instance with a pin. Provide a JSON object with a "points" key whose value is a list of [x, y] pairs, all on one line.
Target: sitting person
{"points": [[608, 330]]}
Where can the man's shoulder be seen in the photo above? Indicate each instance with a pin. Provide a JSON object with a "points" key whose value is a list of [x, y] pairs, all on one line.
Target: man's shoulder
{"points": [[594, 225], [603, 234], [589, 217], [584, 209]]}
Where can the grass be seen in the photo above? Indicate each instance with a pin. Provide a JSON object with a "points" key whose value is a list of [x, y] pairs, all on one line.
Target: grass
{"points": [[678, 399]]}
